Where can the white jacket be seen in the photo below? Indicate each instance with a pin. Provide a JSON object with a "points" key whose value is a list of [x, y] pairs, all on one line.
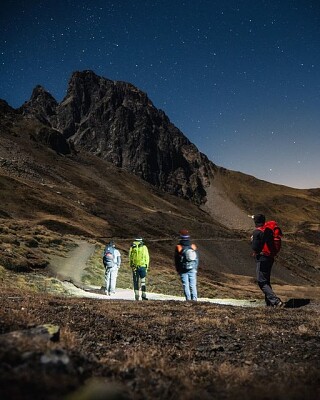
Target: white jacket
{"points": [[117, 258]]}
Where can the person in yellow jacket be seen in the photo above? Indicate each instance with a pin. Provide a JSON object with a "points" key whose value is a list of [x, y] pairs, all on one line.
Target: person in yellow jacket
{"points": [[139, 264]]}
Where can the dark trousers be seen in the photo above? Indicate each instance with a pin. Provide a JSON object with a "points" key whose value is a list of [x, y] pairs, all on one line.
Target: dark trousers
{"points": [[263, 270]]}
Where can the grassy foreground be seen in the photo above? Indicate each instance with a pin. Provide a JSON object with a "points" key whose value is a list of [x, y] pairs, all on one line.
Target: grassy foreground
{"points": [[153, 350]]}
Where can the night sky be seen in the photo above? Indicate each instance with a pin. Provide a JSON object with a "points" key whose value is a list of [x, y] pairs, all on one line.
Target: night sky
{"points": [[241, 79]]}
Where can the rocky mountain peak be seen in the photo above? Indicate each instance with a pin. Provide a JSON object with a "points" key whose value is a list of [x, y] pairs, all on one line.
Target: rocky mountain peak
{"points": [[40, 97], [86, 89], [41, 104], [118, 122], [5, 108]]}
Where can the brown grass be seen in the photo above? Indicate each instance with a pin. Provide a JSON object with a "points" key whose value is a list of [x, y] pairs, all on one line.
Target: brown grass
{"points": [[158, 350], [163, 350]]}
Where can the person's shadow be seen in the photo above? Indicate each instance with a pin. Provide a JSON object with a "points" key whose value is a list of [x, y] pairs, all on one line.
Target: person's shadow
{"points": [[296, 303]]}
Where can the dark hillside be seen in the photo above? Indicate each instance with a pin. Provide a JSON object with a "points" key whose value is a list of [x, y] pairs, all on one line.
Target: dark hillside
{"points": [[49, 183], [57, 189], [81, 194]]}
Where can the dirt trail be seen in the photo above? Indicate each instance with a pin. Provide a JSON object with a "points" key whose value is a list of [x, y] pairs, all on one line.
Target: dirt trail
{"points": [[94, 292], [70, 269]]}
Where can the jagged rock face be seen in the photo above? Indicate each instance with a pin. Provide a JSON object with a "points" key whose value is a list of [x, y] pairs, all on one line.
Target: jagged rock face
{"points": [[34, 121], [41, 105], [119, 123], [5, 109], [53, 139]]}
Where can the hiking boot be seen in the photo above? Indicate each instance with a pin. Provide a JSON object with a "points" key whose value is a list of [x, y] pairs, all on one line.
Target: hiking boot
{"points": [[279, 304], [145, 298]]}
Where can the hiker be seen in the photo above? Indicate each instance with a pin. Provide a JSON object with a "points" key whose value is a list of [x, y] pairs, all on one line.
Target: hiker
{"points": [[111, 262], [186, 259], [265, 250], [139, 264]]}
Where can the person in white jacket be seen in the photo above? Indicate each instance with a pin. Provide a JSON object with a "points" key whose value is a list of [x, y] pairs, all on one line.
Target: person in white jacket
{"points": [[111, 262]]}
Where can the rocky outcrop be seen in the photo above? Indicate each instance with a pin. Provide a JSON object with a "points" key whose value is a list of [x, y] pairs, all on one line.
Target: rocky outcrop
{"points": [[42, 105], [53, 139], [33, 120], [5, 108], [119, 123]]}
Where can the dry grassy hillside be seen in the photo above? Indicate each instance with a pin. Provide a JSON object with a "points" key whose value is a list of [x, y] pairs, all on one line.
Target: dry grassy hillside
{"points": [[82, 195], [294, 209], [54, 347]]}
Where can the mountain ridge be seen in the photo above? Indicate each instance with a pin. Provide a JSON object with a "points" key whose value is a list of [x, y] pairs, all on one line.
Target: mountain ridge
{"points": [[119, 123], [69, 189]]}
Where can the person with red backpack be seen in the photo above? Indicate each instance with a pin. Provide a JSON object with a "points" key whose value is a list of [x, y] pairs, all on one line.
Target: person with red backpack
{"points": [[186, 259], [266, 243]]}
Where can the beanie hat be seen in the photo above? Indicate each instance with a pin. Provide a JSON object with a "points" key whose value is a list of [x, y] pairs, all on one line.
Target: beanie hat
{"points": [[184, 234], [138, 239], [259, 219]]}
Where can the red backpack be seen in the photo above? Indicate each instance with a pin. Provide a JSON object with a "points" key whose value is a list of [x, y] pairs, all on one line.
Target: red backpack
{"points": [[277, 235]]}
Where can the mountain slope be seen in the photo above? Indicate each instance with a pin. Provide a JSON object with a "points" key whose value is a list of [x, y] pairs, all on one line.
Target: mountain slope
{"points": [[119, 123], [62, 182], [53, 196], [83, 195]]}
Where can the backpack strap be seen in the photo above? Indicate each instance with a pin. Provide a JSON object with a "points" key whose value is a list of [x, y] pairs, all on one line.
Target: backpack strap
{"points": [[179, 248]]}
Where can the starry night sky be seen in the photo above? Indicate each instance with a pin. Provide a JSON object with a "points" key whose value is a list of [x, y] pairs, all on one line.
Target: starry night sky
{"points": [[241, 79]]}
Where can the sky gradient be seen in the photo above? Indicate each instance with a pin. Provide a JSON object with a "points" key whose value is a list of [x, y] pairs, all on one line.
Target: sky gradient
{"points": [[241, 79]]}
